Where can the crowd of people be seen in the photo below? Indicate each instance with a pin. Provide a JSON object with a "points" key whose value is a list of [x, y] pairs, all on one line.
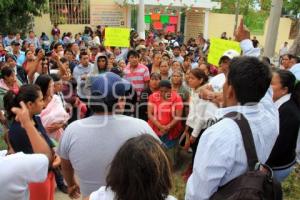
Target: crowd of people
{"points": [[108, 122]]}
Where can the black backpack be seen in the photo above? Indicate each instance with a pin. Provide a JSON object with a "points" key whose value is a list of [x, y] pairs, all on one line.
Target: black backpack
{"points": [[258, 182]]}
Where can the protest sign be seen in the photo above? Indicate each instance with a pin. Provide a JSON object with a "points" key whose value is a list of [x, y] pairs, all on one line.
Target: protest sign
{"points": [[117, 37], [218, 47]]}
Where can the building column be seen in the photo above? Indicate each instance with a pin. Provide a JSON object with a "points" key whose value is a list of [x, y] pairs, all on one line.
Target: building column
{"points": [[141, 20], [273, 26], [206, 17], [128, 17]]}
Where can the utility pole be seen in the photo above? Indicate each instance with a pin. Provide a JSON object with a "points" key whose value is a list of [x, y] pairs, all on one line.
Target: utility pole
{"points": [[141, 22], [237, 12], [273, 26]]}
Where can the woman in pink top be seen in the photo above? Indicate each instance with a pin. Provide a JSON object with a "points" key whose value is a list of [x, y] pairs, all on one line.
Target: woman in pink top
{"points": [[54, 117]]}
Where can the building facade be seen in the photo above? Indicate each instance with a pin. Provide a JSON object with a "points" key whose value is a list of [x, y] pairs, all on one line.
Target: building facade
{"points": [[190, 17]]}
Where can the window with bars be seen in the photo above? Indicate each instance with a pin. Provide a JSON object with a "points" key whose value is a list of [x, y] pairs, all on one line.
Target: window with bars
{"points": [[69, 11]]}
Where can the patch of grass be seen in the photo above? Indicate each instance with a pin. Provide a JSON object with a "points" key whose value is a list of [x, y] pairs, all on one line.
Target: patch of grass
{"points": [[2, 144], [291, 186], [179, 185]]}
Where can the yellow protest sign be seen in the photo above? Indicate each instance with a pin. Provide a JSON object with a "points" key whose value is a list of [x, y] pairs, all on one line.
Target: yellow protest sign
{"points": [[218, 47], [117, 37]]}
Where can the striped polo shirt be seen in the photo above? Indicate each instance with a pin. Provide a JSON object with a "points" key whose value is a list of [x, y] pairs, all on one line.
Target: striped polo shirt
{"points": [[137, 77]]}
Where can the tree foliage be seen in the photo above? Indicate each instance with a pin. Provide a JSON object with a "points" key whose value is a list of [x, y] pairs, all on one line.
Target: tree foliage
{"points": [[229, 6], [17, 15], [291, 7]]}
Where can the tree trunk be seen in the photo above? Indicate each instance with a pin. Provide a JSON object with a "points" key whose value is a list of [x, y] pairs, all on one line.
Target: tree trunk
{"points": [[295, 48]]}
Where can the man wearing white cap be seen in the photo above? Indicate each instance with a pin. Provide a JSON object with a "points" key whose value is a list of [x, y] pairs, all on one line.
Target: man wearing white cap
{"points": [[218, 81]]}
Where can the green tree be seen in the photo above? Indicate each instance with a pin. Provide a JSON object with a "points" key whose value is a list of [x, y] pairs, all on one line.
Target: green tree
{"points": [[17, 15], [229, 6], [291, 7]]}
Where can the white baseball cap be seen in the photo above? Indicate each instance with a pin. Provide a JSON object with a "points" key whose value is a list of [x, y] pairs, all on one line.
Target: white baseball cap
{"points": [[231, 54]]}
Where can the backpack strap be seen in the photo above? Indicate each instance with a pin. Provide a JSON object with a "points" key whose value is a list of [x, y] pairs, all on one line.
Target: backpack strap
{"points": [[249, 145]]}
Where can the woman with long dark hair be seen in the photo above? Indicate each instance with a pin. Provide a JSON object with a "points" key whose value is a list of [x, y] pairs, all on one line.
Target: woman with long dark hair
{"points": [[32, 96], [286, 97], [54, 116], [200, 112], [146, 173]]}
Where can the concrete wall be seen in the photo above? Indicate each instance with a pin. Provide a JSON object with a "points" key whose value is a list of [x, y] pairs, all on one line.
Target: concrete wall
{"points": [[219, 23], [43, 24]]}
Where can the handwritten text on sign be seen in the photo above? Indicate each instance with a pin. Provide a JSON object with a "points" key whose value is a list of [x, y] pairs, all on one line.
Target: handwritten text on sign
{"points": [[218, 47], [117, 37]]}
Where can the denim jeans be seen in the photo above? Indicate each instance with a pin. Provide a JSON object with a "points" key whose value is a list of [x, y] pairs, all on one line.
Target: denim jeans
{"points": [[280, 175]]}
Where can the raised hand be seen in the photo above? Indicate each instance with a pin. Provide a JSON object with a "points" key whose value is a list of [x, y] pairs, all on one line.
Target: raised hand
{"points": [[241, 33], [22, 114]]}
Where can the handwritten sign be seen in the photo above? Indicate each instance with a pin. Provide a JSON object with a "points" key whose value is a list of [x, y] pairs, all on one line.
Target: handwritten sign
{"points": [[117, 37], [218, 47]]}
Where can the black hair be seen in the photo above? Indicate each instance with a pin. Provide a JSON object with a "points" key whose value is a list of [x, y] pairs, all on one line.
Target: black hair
{"points": [[250, 79], [63, 60], [166, 55], [165, 83], [266, 60], [37, 51], [156, 75], [223, 59], [288, 79], [290, 56], [43, 81], [109, 55], [69, 50], [296, 94], [73, 82], [102, 56], [55, 77], [26, 52], [6, 72], [68, 34], [186, 58], [56, 45], [27, 93], [117, 71], [156, 53], [83, 53], [146, 170], [102, 48], [8, 56], [133, 53], [199, 74]]}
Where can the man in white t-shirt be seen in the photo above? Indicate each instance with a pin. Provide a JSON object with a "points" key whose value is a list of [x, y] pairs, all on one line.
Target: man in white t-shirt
{"points": [[18, 170], [284, 49], [88, 145]]}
